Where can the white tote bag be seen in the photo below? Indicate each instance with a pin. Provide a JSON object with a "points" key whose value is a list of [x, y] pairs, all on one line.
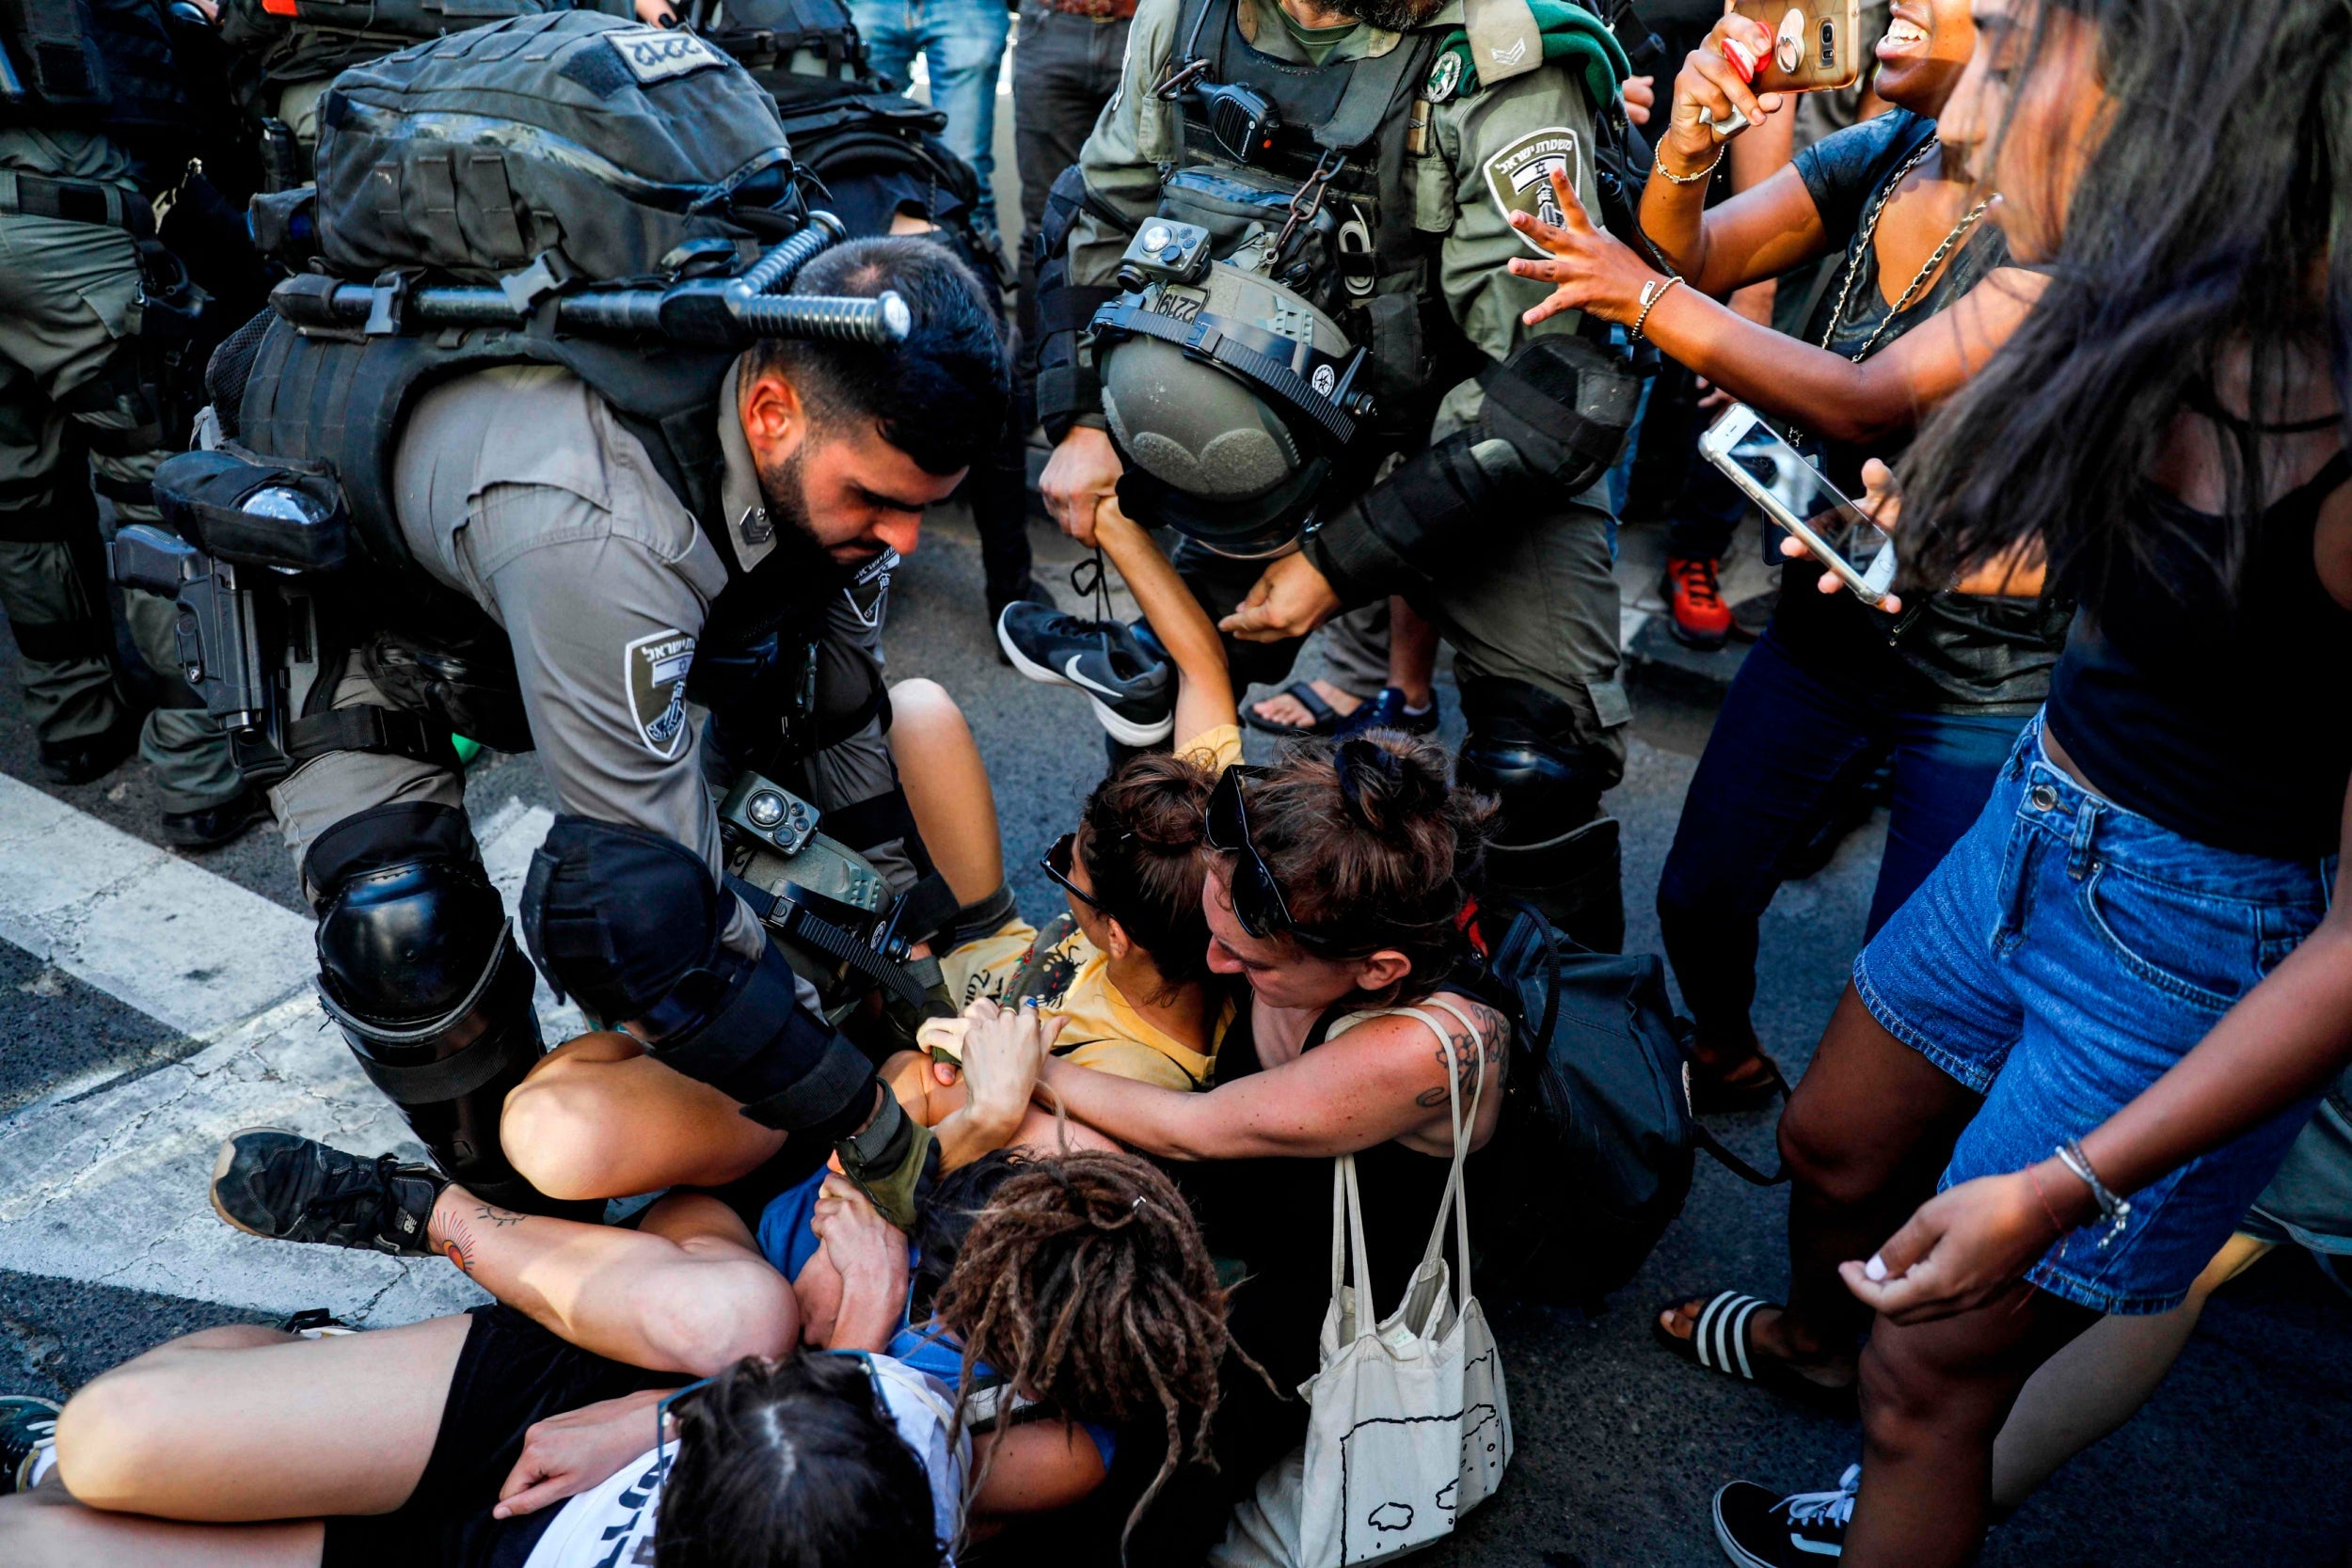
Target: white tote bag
{"points": [[1410, 1426]]}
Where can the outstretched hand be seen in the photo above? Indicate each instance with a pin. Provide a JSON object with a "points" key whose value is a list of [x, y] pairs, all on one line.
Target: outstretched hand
{"points": [[1884, 505], [1002, 1050], [1589, 270], [1964, 1247]]}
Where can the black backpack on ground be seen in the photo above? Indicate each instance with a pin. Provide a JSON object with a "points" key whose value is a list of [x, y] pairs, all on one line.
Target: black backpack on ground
{"points": [[1593, 1157]]}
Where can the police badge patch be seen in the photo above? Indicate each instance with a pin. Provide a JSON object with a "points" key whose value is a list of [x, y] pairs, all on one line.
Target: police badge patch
{"points": [[1520, 177], [653, 670], [1444, 77]]}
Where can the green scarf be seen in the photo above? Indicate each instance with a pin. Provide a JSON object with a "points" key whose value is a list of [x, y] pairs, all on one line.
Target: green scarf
{"points": [[1570, 33]]}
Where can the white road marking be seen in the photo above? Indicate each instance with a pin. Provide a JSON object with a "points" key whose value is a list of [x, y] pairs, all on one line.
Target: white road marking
{"points": [[110, 1187]]}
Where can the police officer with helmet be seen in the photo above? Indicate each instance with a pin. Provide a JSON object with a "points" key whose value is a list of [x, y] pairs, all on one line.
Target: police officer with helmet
{"points": [[1279, 261], [573, 541], [101, 104]]}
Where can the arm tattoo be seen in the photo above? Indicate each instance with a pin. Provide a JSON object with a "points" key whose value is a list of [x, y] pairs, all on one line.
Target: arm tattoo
{"points": [[1468, 1055]]}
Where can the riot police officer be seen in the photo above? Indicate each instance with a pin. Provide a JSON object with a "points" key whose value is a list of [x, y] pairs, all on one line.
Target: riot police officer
{"points": [[559, 545], [97, 119], [1366, 154]]}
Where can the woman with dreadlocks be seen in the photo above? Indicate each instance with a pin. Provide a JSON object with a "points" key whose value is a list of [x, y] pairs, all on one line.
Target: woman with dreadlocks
{"points": [[1048, 1303]]}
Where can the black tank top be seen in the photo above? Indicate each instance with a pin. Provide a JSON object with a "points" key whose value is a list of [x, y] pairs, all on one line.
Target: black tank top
{"points": [[2220, 717], [1273, 1215]]}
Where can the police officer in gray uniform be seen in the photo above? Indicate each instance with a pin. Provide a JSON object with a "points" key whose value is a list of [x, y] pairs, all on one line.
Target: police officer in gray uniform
{"points": [[571, 546], [1368, 155], [94, 104]]}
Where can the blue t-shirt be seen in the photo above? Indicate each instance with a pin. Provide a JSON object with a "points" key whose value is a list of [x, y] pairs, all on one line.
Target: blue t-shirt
{"points": [[789, 1241]]}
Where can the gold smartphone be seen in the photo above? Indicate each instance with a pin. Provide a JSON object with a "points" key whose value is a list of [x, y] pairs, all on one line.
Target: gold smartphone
{"points": [[1816, 45]]}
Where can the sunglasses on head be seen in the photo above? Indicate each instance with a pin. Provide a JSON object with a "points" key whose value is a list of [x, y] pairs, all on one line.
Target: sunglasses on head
{"points": [[1257, 896], [1056, 865]]}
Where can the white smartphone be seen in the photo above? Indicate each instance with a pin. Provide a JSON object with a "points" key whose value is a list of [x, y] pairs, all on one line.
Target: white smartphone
{"points": [[1794, 493]]}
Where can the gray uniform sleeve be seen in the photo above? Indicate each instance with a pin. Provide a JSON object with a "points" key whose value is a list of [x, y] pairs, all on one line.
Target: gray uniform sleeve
{"points": [[1135, 135]]}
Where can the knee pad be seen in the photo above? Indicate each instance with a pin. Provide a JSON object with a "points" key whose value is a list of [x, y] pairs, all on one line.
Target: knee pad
{"points": [[1522, 749], [418, 965], [1553, 848], [628, 922]]}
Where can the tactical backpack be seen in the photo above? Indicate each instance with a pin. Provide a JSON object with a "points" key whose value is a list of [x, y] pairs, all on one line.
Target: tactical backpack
{"points": [[1594, 1149], [845, 123], [596, 148]]}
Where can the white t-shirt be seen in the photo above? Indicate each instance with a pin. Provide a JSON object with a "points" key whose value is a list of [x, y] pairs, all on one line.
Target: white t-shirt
{"points": [[612, 1525]]}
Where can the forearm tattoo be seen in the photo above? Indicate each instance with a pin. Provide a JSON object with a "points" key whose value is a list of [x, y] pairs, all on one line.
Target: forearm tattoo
{"points": [[1468, 1055]]}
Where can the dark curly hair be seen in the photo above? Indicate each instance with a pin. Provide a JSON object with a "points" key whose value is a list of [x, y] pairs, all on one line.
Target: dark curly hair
{"points": [[1083, 1282], [1374, 848], [1141, 843]]}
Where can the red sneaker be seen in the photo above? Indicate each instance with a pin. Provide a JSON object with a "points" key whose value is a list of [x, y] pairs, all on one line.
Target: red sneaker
{"points": [[1701, 618]]}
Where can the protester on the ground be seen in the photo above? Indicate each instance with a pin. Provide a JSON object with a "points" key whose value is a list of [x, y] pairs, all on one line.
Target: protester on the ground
{"points": [[2117, 1000], [600, 1117], [1334, 892], [1002, 1249], [484, 1439], [1830, 693]]}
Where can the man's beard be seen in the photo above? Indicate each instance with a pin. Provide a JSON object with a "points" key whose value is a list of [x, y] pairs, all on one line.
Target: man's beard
{"points": [[1393, 16], [784, 493]]}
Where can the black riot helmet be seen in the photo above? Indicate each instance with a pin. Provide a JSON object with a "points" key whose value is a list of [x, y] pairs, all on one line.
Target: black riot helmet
{"points": [[1232, 399]]}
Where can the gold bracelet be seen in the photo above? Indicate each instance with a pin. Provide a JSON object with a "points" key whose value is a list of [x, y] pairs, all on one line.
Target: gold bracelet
{"points": [[1659, 162], [1652, 293]]}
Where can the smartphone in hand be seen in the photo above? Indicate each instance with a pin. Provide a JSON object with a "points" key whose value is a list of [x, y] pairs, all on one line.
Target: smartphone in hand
{"points": [[1796, 495], [1816, 45]]}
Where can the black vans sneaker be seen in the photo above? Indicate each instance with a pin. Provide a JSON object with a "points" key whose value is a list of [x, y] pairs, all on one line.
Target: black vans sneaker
{"points": [[1134, 692], [1760, 1529], [28, 1427], [276, 1184]]}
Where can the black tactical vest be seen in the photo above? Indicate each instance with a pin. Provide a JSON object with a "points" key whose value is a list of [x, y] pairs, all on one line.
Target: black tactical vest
{"points": [[107, 65], [1340, 158], [315, 398]]}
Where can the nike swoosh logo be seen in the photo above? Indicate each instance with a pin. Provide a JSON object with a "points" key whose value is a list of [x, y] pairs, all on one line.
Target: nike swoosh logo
{"points": [[1816, 1547], [1069, 669]]}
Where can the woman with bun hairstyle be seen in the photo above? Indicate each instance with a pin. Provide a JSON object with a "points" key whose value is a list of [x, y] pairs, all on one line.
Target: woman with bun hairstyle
{"points": [[1335, 887]]}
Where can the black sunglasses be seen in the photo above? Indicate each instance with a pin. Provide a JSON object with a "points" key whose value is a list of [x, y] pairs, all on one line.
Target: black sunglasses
{"points": [[1056, 866], [1257, 896]]}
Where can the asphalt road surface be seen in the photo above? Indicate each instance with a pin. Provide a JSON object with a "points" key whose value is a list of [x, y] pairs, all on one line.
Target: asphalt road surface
{"points": [[154, 1002]]}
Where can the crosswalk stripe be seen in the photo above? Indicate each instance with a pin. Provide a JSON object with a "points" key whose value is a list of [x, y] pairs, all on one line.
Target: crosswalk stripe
{"points": [[109, 1185]]}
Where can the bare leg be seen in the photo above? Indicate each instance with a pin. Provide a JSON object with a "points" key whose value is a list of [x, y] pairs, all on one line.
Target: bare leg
{"points": [[686, 1291], [1412, 654], [47, 1528], [1865, 1134], [1932, 1397], [946, 787], [2099, 1381], [597, 1117], [244, 1424]]}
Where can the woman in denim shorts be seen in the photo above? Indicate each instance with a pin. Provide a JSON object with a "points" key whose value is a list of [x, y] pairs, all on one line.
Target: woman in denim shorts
{"points": [[2096, 1028]]}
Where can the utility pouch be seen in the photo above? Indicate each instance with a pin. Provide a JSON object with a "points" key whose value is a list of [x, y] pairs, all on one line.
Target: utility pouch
{"points": [[470, 690], [256, 511]]}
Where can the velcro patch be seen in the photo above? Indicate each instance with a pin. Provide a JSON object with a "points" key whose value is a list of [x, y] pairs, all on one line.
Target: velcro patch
{"points": [[653, 671], [1519, 178], [656, 54]]}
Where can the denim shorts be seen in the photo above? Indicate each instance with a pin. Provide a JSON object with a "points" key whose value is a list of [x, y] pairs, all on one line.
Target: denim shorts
{"points": [[2060, 959]]}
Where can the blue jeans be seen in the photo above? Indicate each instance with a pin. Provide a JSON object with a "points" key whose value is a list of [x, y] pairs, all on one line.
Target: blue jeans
{"points": [[1788, 750], [2062, 958], [963, 46]]}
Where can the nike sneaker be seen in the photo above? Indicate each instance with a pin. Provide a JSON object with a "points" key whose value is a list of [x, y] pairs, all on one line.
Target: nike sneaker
{"points": [[1133, 689], [284, 1187], [1758, 1528]]}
